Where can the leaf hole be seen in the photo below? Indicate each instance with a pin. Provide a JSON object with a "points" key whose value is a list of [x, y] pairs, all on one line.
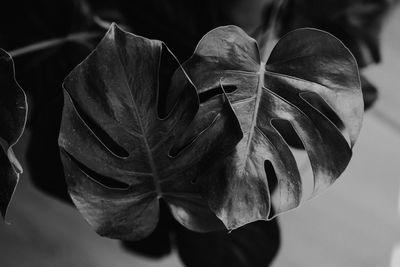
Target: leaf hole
{"points": [[206, 95], [285, 128], [101, 179], [317, 102], [271, 175], [272, 179], [306, 172], [167, 67], [105, 138], [296, 146], [176, 149]]}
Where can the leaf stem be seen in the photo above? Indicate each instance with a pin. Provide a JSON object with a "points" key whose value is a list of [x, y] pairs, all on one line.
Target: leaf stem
{"points": [[73, 37]]}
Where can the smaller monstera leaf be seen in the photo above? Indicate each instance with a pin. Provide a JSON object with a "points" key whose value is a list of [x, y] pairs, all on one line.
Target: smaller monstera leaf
{"points": [[13, 112], [369, 91], [305, 65], [121, 156]]}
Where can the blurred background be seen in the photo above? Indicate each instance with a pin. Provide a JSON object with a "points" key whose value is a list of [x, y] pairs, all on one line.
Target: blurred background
{"points": [[354, 223]]}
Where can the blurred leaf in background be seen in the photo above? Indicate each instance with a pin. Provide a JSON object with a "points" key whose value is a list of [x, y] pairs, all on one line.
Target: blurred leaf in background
{"points": [[42, 73], [180, 24], [13, 112]]}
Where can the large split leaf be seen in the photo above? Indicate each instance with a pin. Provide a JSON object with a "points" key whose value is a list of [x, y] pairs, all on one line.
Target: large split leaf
{"points": [[303, 64], [120, 155], [13, 111]]}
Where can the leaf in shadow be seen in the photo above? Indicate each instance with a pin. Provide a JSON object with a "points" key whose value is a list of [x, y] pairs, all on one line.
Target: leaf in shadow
{"points": [[112, 130], [304, 62], [13, 112], [158, 243], [254, 244], [42, 73]]}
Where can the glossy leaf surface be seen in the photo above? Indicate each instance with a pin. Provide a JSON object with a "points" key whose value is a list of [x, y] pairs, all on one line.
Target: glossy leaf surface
{"points": [[120, 156], [304, 63], [13, 111]]}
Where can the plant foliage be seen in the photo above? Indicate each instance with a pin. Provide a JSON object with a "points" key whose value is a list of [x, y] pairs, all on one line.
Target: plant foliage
{"points": [[115, 128], [41, 73], [112, 127], [13, 111], [305, 62]]}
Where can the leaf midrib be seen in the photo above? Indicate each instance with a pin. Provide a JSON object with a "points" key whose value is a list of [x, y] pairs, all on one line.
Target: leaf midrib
{"points": [[253, 124], [153, 167]]}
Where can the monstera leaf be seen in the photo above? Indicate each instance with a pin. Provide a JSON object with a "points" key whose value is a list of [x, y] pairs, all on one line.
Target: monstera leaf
{"points": [[13, 111], [358, 23], [122, 153], [305, 64]]}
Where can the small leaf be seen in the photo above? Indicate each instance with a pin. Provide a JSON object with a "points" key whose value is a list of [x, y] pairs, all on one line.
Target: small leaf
{"points": [[120, 156], [304, 63], [13, 111]]}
